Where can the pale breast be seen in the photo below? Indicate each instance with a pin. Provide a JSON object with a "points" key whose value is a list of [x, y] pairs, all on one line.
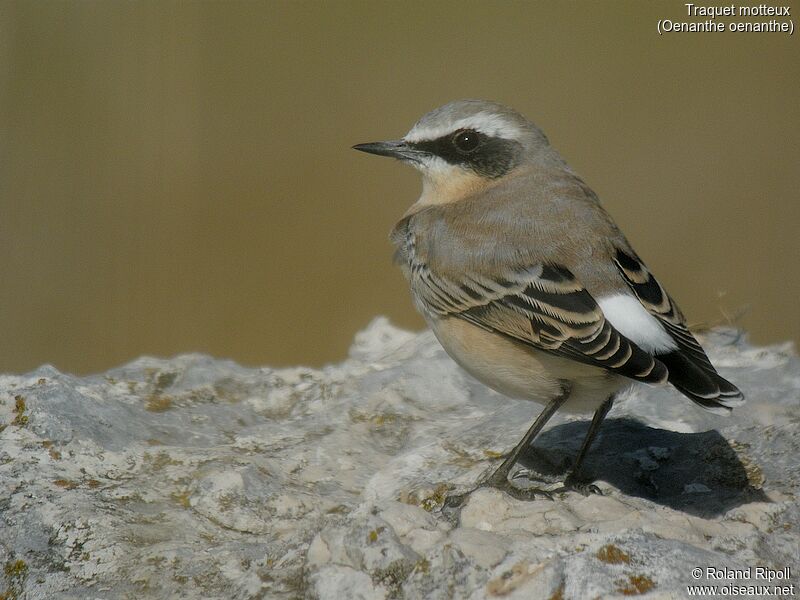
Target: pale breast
{"points": [[521, 371]]}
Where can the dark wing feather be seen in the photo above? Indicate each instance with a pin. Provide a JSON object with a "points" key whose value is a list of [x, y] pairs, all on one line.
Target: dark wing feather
{"points": [[690, 370], [543, 306]]}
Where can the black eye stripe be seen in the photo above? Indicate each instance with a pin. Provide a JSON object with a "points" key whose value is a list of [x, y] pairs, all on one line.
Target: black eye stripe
{"points": [[492, 157]]}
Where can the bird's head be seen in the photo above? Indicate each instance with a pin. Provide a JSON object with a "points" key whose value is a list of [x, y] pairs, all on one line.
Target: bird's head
{"points": [[464, 145]]}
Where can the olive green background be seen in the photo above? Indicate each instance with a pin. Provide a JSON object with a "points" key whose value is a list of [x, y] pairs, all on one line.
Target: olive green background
{"points": [[178, 176]]}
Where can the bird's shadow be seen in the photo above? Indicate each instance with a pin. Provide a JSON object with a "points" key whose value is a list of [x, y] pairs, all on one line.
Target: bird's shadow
{"points": [[697, 473]]}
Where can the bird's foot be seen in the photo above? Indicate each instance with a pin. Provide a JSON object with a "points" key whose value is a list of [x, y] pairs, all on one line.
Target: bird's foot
{"points": [[573, 484], [531, 475], [520, 493], [499, 481]]}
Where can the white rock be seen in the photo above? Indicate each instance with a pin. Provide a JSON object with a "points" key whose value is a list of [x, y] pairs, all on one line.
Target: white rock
{"points": [[318, 552], [198, 478], [406, 517], [335, 583], [485, 548]]}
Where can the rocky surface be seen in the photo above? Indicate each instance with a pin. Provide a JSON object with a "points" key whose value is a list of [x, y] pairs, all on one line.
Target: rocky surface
{"points": [[199, 478]]}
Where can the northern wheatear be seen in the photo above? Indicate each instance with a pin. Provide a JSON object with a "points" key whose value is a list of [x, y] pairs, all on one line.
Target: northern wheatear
{"points": [[527, 282]]}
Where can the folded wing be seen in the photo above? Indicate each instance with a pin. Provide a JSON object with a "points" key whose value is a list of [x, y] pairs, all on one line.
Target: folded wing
{"points": [[544, 306], [690, 370]]}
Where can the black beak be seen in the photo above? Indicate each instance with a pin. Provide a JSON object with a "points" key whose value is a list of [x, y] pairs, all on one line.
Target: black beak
{"points": [[395, 149]]}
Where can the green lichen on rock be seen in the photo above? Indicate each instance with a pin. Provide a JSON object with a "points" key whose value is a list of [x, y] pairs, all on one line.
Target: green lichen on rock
{"points": [[393, 576], [372, 536], [755, 476], [15, 572], [613, 555], [635, 585], [423, 566], [165, 380], [21, 419], [158, 403]]}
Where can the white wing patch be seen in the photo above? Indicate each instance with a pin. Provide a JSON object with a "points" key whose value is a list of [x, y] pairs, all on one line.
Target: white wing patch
{"points": [[632, 320]]}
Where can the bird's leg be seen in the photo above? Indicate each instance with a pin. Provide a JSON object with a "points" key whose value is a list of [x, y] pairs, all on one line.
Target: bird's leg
{"points": [[499, 479], [572, 482]]}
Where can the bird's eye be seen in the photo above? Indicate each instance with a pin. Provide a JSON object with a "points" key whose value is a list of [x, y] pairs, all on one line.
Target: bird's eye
{"points": [[466, 140]]}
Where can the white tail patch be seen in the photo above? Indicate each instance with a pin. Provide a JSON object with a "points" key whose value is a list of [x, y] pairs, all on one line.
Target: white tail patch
{"points": [[632, 320]]}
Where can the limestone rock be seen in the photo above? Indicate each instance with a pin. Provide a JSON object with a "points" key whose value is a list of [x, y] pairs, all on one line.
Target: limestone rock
{"points": [[198, 478]]}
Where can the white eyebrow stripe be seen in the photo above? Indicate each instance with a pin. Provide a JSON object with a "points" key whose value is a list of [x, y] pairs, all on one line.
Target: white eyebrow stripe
{"points": [[485, 122]]}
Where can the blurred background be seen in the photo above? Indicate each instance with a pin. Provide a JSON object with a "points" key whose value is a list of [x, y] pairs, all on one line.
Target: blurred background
{"points": [[178, 177]]}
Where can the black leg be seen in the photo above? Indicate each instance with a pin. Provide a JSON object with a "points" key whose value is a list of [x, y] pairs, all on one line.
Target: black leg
{"points": [[572, 482], [500, 477]]}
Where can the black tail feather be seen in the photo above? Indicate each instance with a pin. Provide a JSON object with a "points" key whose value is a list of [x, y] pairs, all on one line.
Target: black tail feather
{"points": [[708, 389]]}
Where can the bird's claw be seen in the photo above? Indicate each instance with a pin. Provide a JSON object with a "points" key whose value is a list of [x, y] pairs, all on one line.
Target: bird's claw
{"points": [[503, 485], [570, 484], [586, 488], [525, 494], [531, 475], [501, 481]]}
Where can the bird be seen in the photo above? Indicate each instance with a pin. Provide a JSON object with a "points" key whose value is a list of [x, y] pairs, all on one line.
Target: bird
{"points": [[527, 282]]}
